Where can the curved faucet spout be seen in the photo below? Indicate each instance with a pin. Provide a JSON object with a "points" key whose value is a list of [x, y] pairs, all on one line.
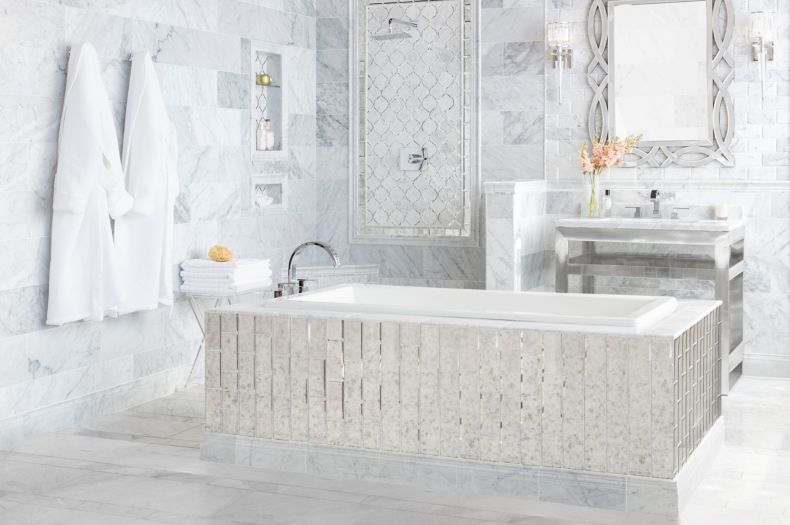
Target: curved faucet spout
{"points": [[328, 249]]}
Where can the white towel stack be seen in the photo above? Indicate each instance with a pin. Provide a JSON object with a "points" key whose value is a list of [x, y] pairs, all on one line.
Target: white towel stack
{"points": [[207, 277]]}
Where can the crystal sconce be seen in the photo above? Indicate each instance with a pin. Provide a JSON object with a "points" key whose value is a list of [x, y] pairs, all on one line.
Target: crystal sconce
{"points": [[761, 34], [558, 38]]}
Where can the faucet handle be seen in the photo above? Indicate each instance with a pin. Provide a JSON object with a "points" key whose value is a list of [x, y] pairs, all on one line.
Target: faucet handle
{"points": [[301, 284], [637, 211]]}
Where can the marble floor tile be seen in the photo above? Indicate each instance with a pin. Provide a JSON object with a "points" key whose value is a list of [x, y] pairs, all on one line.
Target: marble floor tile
{"points": [[142, 467]]}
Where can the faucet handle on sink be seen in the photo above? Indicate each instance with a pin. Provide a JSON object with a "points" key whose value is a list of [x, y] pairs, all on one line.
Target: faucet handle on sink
{"points": [[637, 211]]}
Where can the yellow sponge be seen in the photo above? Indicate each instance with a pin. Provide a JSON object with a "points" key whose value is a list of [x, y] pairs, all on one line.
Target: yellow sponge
{"points": [[220, 253]]}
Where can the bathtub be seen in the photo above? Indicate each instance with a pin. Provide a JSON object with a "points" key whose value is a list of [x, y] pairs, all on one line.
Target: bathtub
{"points": [[627, 311]]}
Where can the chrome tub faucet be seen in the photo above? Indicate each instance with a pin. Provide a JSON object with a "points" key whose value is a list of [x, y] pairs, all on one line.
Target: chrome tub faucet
{"points": [[296, 286]]}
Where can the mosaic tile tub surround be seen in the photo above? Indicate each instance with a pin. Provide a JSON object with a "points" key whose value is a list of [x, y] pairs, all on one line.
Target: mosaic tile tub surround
{"points": [[549, 402]]}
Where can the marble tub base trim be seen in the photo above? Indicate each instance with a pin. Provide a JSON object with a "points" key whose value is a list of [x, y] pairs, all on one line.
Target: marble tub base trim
{"points": [[625, 493]]}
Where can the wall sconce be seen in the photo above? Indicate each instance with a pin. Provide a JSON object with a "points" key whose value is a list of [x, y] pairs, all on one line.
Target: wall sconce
{"points": [[558, 38], [761, 34]]}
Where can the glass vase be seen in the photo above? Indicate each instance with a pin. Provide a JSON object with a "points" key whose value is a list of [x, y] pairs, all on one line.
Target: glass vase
{"points": [[591, 207]]}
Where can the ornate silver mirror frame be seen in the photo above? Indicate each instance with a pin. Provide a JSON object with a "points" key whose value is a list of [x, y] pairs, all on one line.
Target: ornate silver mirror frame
{"points": [[667, 153], [440, 204]]}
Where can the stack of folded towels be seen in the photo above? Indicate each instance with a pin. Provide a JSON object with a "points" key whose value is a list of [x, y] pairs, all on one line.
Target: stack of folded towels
{"points": [[237, 276]]}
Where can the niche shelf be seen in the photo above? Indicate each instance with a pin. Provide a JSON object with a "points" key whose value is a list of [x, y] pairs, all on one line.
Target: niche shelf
{"points": [[267, 102]]}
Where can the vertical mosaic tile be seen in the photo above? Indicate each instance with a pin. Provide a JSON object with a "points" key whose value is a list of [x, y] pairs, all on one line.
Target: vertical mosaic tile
{"points": [[662, 415], [469, 385], [334, 390], [595, 403], [352, 383], [281, 377], [616, 405], [213, 410], [212, 331], [490, 423], [449, 345], [531, 397], [639, 406], [230, 410], [573, 349], [316, 379], [371, 385], [390, 387], [246, 332], [409, 392], [429, 401], [229, 362], [509, 342], [551, 419], [212, 369], [263, 377], [246, 412], [299, 355], [228, 322]]}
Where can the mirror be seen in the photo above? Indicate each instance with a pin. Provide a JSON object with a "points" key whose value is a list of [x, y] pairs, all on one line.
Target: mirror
{"points": [[660, 71]]}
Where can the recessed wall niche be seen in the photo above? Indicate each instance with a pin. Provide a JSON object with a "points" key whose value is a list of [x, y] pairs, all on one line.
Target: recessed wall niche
{"points": [[268, 112]]}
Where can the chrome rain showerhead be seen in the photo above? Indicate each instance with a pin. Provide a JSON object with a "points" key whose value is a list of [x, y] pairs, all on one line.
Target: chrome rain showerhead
{"points": [[390, 35]]}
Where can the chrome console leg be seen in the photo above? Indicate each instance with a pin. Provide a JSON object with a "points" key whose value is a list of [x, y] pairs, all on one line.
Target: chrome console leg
{"points": [[588, 281], [561, 263], [721, 263]]}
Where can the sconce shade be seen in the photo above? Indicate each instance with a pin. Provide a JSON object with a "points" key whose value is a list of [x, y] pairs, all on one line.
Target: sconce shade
{"points": [[558, 34], [761, 25]]}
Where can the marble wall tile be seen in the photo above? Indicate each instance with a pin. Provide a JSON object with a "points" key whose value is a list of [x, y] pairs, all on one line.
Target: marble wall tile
{"points": [[390, 387], [299, 378], [352, 383], [202, 63]]}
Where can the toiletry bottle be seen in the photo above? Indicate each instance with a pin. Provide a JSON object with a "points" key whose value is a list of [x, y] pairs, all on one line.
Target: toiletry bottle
{"points": [[269, 135], [260, 136], [607, 203]]}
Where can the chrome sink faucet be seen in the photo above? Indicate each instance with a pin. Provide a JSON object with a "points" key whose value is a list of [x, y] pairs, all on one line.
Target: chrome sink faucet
{"points": [[656, 200], [292, 286]]}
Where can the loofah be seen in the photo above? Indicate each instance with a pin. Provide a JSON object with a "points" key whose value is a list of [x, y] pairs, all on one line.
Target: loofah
{"points": [[220, 253]]}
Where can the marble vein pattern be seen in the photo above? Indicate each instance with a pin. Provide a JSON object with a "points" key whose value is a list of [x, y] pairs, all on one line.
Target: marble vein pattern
{"points": [[575, 401]]}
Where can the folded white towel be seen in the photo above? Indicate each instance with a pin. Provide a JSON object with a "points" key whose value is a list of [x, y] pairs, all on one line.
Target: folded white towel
{"points": [[232, 276], [208, 288], [209, 265]]}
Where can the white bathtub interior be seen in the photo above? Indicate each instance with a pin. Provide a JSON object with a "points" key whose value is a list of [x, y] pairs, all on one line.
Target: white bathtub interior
{"points": [[579, 309]]}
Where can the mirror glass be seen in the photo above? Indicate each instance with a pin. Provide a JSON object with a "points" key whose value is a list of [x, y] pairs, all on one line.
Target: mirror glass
{"points": [[660, 80]]}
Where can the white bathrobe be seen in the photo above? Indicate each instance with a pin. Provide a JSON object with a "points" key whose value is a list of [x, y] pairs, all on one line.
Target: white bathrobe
{"points": [[84, 282], [144, 237]]}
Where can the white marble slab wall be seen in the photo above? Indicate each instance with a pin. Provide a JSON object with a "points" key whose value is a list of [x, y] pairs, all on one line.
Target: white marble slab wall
{"points": [[759, 181], [53, 377], [519, 236], [585, 402]]}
